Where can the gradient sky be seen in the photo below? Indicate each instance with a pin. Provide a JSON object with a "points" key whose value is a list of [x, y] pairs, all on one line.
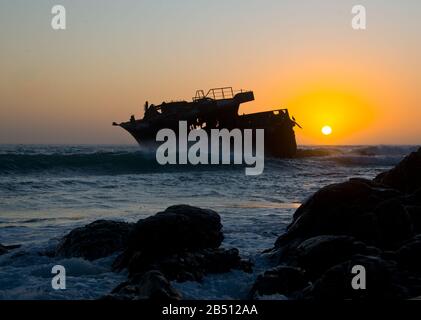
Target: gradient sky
{"points": [[69, 86]]}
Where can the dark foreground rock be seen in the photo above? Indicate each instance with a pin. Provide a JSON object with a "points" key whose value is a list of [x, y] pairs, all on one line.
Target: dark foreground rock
{"points": [[385, 281], [409, 255], [6, 249], [177, 228], [374, 223], [282, 280], [358, 208], [317, 254], [406, 176], [3, 250], [188, 265], [182, 242], [150, 285], [96, 240]]}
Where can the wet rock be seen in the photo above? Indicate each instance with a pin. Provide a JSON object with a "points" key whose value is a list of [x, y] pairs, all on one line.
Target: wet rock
{"points": [[406, 176], [180, 243], [177, 229], [409, 255], [342, 209], [414, 213], [150, 285], [384, 281], [413, 199], [95, 240], [6, 249], [412, 204], [393, 224], [283, 280], [317, 254], [313, 257], [371, 223], [188, 265]]}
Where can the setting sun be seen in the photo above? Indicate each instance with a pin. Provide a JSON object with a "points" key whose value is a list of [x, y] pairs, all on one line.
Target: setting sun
{"points": [[347, 110], [326, 130]]}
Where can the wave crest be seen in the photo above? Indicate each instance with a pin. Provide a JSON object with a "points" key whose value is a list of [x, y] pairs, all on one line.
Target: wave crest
{"points": [[100, 162]]}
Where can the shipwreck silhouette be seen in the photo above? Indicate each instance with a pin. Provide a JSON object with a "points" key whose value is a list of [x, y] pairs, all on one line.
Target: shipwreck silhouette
{"points": [[217, 109]]}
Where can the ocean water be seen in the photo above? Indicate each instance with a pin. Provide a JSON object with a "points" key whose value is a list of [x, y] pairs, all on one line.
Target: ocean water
{"points": [[45, 191]]}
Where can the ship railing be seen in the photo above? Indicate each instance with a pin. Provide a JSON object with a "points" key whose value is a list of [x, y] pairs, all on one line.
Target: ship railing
{"points": [[217, 93]]}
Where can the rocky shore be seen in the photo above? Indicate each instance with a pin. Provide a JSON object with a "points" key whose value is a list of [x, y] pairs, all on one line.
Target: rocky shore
{"points": [[373, 223], [179, 244]]}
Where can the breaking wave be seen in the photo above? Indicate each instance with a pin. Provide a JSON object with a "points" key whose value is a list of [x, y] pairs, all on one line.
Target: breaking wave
{"points": [[99, 163], [126, 162], [95, 163], [358, 155]]}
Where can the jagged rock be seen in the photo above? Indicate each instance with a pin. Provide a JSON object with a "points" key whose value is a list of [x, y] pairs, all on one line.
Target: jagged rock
{"points": [[317, 254], [393, 224], [150, 285], [188, 265], [351, 208], [406, 176], [181, 243], [282, 280], [414, 213], [409, 255], [383, 281], [178, 228], [413, 199], [360, 221], [96, 240]]}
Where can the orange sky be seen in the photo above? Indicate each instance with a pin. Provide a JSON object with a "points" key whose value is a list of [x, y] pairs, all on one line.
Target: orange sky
{"points": [[69, 86]]}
